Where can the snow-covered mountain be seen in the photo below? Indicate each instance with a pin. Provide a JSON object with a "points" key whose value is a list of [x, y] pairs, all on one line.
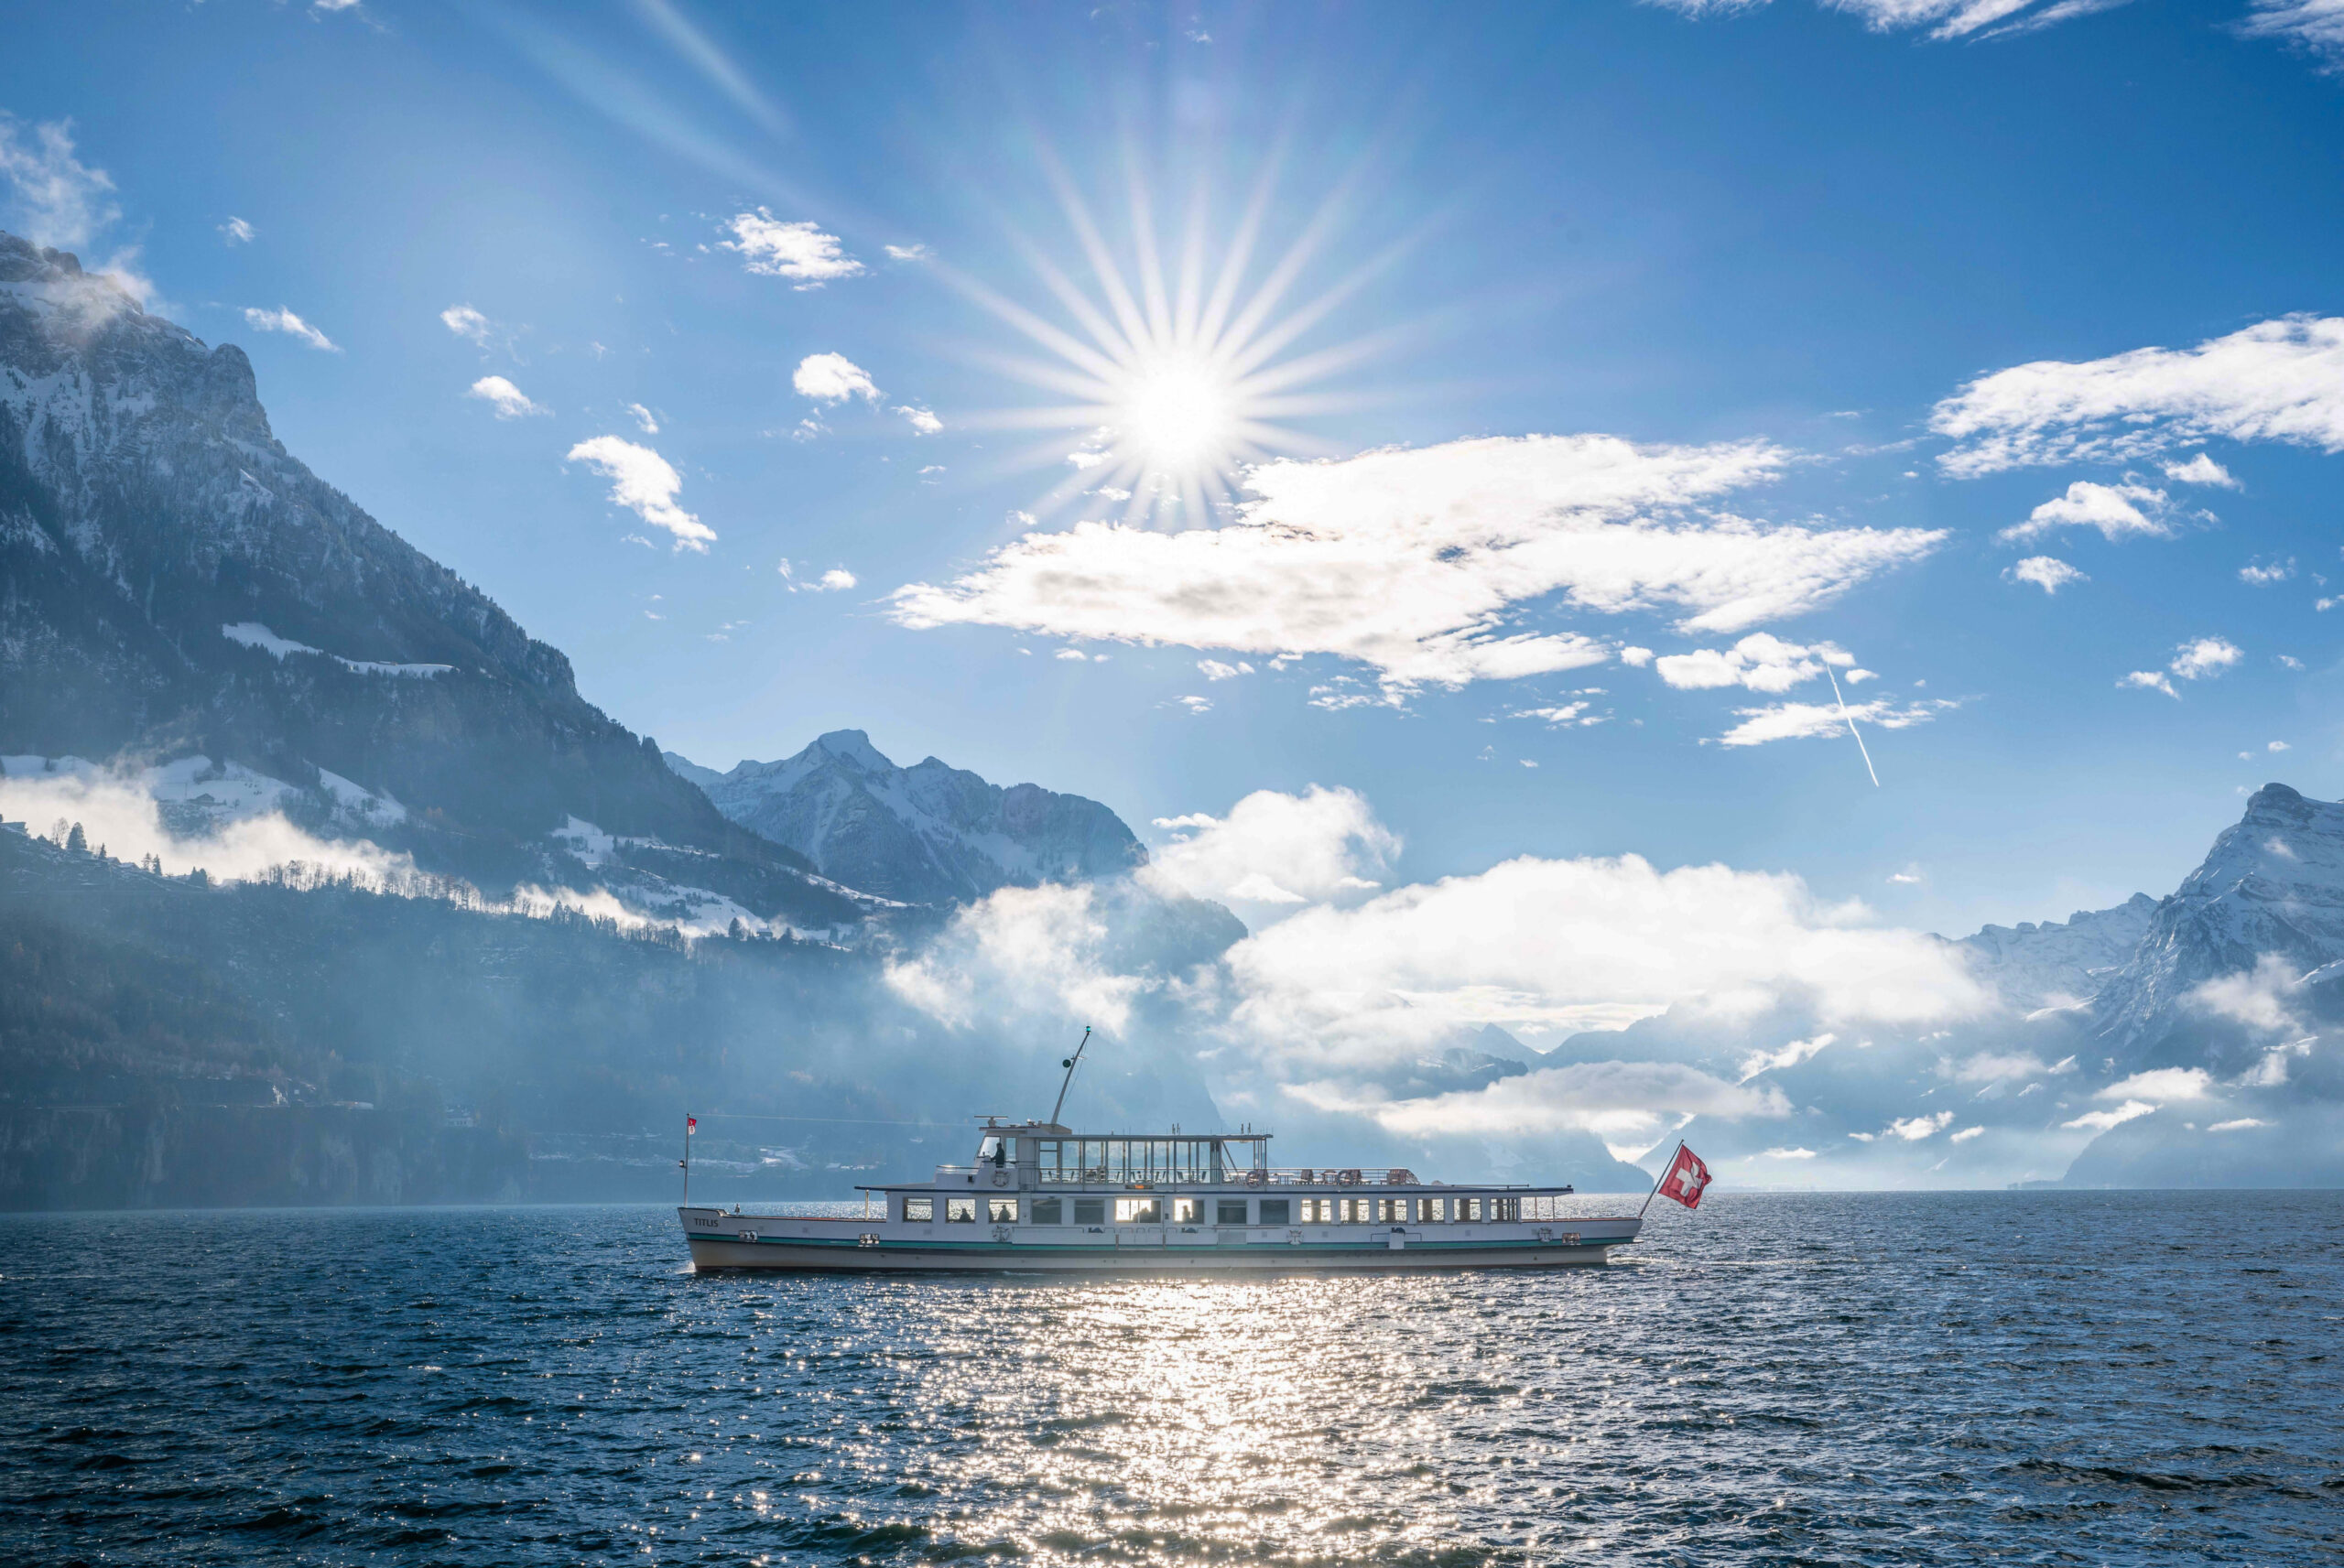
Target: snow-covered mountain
{"points": [[175, 585], [927, 834], [2058, 964], [2269, 897]]}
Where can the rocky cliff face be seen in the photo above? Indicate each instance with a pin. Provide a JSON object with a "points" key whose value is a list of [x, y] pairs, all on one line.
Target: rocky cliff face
{"points": [[928, 834], [173, 582]]}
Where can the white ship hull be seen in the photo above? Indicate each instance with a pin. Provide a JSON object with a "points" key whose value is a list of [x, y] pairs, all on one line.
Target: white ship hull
{"points": [[722, 1240]]}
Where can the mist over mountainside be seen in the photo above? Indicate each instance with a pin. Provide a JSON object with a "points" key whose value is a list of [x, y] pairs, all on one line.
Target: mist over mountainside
{"points": [[2197, 1058], [178, 586], [170, 1040], [926, 834]]}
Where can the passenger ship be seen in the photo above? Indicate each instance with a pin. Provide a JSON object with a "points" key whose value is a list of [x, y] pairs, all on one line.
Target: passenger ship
{"points": [[1040, 1196]]}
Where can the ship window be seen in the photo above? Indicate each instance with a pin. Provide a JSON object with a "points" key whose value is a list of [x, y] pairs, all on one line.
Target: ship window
{"points": [[1317, 1211], [1232, 1211], [989, 1150], [1046, 1211], [1505, 1208], [1138, 1211], [920, 1208], [1469, 1208], [1277, 1211], [1090, 1211], [1432, 1211], [959, 1211], [1188, 1211], [1001, 1211]]}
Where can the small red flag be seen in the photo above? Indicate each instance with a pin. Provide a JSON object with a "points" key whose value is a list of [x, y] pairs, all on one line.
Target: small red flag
{"points": [[692, 1125], [1687, 1178]]}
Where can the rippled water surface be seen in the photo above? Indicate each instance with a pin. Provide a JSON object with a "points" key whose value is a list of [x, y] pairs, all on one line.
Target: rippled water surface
{"points": [[2136, 1378]]}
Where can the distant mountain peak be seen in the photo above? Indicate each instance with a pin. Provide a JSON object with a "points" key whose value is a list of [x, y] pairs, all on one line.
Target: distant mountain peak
{"points": [[927, 834], [853, 746]]}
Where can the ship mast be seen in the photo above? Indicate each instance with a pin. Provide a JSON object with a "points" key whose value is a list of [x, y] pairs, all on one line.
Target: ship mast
{"points": [[1070, 1064]]}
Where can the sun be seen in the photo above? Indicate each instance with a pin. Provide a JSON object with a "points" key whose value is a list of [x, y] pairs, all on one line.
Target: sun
{"points": [[1176, 412], [1172, 373]]}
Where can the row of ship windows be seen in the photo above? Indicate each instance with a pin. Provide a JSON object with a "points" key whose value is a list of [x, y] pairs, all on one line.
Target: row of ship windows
{"points": [[1215, 1211]]}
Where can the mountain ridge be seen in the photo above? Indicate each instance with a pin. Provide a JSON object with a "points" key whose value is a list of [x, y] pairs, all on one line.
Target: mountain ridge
{"points": [[930, 833]]}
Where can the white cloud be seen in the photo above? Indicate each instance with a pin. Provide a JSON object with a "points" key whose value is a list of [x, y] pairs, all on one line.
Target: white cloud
{"points": [[1610, 1100], [120, 812], [282, 321], [2277, 746], [2161, 1086], [642, 482], [1021, 952], [1561, 716], [2289, 662], [1077, 654], [1215, 670], [2118, 511], [54, 199], [772, 248], [2204, 658], [2101, 1120], [1790, 1056], [1415, 562], [2276, 380], [1195, 704], [832, 581], [2043, 572], [1636, 658], [1760, 662], [2200, 658], [1815, 720], [1786, 1154], [2240, 1124], [1276, 849], [1994, 1068], [1909, 876], [643, 418], [511, 402], [1569, 943], [1914, 1128], [924, 422], [2199, 469], [237, 232], [2256, 573], [1967, 1133], [468, 323], [832, 378], [2316, 25], [2256, 998], [908, 253], [1943, 19]]}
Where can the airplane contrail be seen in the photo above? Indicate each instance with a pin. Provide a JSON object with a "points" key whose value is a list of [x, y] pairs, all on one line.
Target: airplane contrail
{"points": [[1851, 727]]}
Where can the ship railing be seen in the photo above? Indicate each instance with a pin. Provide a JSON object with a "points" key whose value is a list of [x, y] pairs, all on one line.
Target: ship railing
{"points": [[1262, 1177]]}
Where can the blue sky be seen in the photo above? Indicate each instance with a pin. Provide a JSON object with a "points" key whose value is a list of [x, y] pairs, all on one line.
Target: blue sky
{"points": [[1768, 247]]}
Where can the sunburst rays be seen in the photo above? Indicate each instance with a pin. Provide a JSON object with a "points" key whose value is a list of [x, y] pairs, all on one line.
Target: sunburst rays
{"points": [[1172, 373]]}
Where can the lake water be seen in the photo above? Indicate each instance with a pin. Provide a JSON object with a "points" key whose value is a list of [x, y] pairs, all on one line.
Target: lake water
{"points": [[1940, 1378]]}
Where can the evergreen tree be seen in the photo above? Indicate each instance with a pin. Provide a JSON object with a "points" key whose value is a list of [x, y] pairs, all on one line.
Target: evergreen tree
{"points": [[76, 840]]}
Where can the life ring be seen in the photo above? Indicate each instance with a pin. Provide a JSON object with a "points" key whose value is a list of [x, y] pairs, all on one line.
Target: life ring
{"points": [[1255, 1178], [1001, 1178]]}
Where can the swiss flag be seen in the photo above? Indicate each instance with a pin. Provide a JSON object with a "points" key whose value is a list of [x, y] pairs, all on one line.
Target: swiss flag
{"points": [[692, 1125], [1687, 1178]]}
